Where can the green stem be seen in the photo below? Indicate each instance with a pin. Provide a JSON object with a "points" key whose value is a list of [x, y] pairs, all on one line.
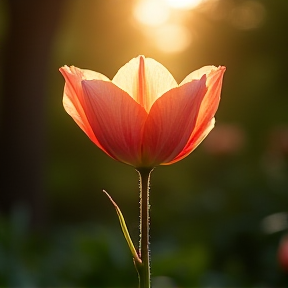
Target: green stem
{"points": [[144, 252]]}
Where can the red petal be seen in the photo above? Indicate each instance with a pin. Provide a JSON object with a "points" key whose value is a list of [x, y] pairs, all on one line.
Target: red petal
{"points": [[73, 97], [116, 120], [209, 106], [193, 142], [171, 121]]}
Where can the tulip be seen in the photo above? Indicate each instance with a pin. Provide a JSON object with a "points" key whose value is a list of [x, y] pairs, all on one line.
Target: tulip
{"points": [[142, 117]]}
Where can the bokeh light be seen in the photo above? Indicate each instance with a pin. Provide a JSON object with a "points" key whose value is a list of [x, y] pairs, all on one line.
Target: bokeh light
{"points": [[248, 15], [163, 23], [184, 4], [172, 38], [151, 13], [225, 139]]}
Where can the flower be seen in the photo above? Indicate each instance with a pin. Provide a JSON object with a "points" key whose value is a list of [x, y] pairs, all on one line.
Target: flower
{"points": [[142, 117]]}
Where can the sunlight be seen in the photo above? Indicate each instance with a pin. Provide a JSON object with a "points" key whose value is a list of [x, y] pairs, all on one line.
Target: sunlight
{"points": [[172, 38], [183, 4], [163, 22], [151, 13]]}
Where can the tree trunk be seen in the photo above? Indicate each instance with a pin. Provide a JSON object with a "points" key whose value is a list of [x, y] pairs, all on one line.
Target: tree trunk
{"points": [[32, 25]]}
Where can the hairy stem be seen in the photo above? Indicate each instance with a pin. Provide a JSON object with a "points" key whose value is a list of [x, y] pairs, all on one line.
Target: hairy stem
{"points": [[144, 252]]}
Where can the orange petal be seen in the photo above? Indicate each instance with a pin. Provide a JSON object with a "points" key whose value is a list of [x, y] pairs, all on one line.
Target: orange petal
{"points": [[73, 96], [193, 142], [116, 120], [197, 74], [171, 121], [205, 120], [145, 80]]}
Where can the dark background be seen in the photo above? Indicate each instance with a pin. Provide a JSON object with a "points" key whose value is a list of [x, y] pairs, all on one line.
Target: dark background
{"points": [[217, 217]]}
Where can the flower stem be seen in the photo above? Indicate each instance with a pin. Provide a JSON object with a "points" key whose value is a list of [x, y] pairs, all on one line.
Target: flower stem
{"points": [[144, 252]]}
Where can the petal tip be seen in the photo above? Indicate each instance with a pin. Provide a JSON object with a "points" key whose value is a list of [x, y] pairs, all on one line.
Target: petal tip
{"points": [[222, 68], [63, 68]]}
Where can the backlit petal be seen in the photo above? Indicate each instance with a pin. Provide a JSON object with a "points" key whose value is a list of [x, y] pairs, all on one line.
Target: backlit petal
{"points": [[145, 80], [116, 119], [142, 117], [193, 142], [171, 121], [209, 106], [197, 74], [73, 96]]}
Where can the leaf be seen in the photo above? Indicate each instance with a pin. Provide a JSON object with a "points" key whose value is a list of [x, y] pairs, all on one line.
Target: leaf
{"points": [[125, 230]]}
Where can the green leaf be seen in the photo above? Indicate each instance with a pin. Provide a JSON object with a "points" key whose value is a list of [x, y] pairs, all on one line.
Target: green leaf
{"points": [[125, 230]]}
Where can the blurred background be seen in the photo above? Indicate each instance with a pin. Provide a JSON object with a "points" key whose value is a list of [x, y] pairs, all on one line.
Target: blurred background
{"points": [[218, 218]]}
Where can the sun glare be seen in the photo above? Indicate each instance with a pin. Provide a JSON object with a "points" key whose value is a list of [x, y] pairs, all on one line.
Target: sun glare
{"points": [[163, 22], [183, 4], [151, 13], [172, 38]]}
